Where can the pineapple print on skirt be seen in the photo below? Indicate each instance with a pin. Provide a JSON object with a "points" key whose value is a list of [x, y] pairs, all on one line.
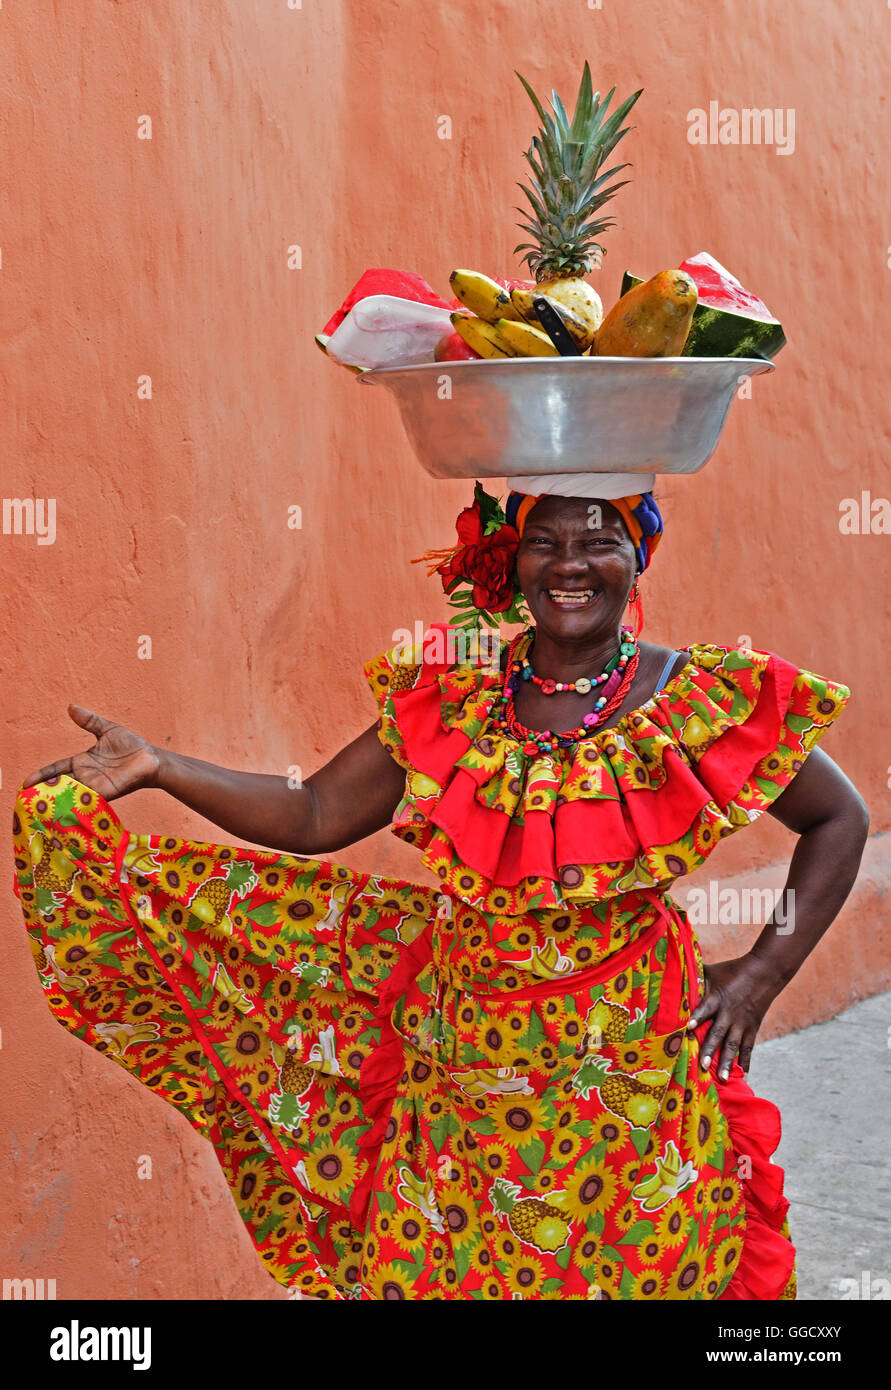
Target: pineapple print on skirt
{"points": [[388, 1128]]}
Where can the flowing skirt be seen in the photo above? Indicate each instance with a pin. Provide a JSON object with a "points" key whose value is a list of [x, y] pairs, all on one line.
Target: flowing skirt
{"points": [[389, 1127]]}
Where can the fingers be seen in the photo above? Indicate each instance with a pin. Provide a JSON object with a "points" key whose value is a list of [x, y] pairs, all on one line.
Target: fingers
{"points": [[88, 719], [46, 773], [729, 1051], [706, 1008], [726, 1037], [745, 1051]]}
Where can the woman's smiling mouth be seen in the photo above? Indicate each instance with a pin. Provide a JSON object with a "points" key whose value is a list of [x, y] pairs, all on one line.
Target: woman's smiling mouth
{"points": [[571, 598]]}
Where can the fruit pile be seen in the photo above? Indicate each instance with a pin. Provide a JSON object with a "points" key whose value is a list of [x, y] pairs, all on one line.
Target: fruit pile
{"points": [[394, 318]]}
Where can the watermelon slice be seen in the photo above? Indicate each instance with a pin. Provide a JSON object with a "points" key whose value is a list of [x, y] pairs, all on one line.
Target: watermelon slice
{"points": [[728, 321], [401, 283]]}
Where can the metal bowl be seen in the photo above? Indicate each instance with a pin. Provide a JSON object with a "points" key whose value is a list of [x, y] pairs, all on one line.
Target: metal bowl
{"points": [[491, 418]]}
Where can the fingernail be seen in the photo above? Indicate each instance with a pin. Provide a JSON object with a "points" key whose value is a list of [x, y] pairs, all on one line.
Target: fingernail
{"points": [[706, 1061], [725, 1074]]}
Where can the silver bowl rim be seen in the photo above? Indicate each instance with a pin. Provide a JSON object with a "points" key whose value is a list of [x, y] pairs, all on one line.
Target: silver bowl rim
{"points": [[372, 374]]}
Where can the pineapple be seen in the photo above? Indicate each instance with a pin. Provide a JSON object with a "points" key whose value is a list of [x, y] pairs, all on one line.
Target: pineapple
{"points": [[607, 1022], [211, 902], [634, 1099], [403, 677], [295, 1077], [50, 869], [533, 1221], [568, 190]]}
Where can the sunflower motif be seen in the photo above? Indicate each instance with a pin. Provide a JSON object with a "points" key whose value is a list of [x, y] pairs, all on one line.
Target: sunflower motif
{"points": [[820, 707], [673, 1224], [609, 1277], [409, 1232], [704, 834], [688, 1278], [624, 1216], [631, 1172], [332, 1169], [730, 1195], [74, 946], [670, 861], [777, 766], [612, 1132], [86, 891], [199, 867], [495, 1159], [482, 1261], [566, 1146], [726, 1258], [704, 1127], [648, 1284], [586, 1255], [188, 1058], [388, 1283], [243, 1047], [526, 1276], [513, 1023], [85, 800], [346, 1107], [468, 883], [590, 1187], [281, 947], [518, 1119], [459, 1214]]}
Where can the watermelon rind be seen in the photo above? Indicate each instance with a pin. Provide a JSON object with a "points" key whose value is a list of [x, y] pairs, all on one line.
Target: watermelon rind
{"points": [[722, 333]]}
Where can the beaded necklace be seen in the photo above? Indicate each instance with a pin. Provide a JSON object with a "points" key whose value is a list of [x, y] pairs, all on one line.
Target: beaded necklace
{"points": [[615, 681]]}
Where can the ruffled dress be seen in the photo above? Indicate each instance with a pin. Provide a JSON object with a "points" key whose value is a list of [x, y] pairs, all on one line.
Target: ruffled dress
{"points": [[478, 1090]]}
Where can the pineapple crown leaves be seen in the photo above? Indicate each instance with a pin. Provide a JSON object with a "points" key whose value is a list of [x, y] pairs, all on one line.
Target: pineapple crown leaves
{"points": [[503, 1196], [569, 187]]}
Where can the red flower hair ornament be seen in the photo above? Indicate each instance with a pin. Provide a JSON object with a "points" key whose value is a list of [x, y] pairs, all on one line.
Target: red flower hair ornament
{"points": [[479, 573]]}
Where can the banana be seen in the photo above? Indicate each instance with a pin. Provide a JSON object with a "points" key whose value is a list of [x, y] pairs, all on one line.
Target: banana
{"points": [[580, 332], [649, 1186], [525, 340], [482, 296], [481, 336]]}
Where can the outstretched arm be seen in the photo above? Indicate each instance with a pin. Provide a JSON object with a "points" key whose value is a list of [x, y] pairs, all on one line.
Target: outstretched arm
{"points": [[832, 822], [353, 795]]}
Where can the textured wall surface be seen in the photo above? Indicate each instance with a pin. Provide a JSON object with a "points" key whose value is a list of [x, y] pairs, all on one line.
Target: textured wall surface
{"points": [[317, 126]]}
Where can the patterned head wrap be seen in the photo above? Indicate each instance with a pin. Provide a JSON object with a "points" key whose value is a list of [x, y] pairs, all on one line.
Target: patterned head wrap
{"points": [[642, 518]]}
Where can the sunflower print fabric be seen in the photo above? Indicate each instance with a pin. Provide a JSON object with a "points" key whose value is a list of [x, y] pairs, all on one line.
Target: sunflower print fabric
{"points": [[421, 1093], [511, 833]]}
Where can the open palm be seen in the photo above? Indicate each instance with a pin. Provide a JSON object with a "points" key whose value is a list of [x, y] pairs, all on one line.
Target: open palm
{"points": [[119, 761]]}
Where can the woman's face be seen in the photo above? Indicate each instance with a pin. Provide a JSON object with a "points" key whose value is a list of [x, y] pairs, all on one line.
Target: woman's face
{"points": [[576, 566]]}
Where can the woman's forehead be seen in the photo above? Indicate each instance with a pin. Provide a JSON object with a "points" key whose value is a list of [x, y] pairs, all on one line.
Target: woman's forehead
{"points": [[588, 513]]}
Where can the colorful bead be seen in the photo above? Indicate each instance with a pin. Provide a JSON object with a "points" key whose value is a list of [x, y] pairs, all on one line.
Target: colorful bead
{"points": [[615, 681]]}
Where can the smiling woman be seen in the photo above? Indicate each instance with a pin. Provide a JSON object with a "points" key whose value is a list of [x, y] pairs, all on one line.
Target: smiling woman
{"points": [[523, 1083]]}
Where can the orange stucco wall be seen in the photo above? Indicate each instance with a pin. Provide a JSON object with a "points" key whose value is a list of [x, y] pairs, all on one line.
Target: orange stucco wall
{"points": [[275, 126]]}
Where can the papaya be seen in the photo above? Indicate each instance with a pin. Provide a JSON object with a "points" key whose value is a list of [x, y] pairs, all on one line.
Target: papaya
{"points": [[730, 321], [651, 320]]}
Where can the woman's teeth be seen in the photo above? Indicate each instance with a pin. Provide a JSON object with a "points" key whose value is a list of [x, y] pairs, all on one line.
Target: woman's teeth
{"points": [[570, 598]]}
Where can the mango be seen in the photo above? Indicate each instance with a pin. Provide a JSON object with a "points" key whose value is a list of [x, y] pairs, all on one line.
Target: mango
{"points": [[651, 320]]}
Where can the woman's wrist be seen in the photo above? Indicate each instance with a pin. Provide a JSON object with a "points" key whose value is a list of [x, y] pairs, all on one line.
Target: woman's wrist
{"points": [[163, 772]]}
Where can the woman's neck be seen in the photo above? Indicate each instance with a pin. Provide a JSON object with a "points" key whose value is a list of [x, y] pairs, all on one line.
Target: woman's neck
{"points": [[566, 661]]}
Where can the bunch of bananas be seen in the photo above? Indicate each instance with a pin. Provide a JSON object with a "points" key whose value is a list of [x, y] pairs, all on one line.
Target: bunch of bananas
{"points": [[503, 323], [670, 1178]]}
